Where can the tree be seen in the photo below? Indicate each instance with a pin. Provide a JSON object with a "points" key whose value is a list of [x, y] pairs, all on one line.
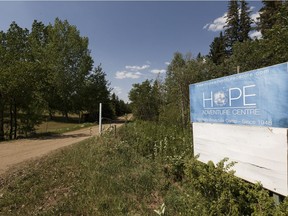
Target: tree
{"points": [[267, 51], [217, 50], [268, 16], [17, 73], [238, 24], [119, 106], [232, 25], [47, 68], [249, 55], [175, 85], [244, 22], [68, 64], [96, 90], [276, 39], [34, 106], [182, 72], [2, 82], [144, 100], [20, 82]]}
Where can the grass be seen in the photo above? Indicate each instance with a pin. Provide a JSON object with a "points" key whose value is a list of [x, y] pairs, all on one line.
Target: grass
{"points": [[60, 124], [146, 167], [95, 177], [60, 127]]}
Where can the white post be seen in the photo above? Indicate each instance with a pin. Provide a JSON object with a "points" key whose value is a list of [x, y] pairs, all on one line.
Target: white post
{"points": [[100, 118], [238, 69]]}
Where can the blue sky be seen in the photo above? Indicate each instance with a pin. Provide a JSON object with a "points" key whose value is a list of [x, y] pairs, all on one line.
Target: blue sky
{"points": [[133, 40]]}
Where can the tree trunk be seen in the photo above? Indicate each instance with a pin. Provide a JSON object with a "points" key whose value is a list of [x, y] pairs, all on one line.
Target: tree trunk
{"points": [[15, 120], [182, 106], [79, 117], [11, 122], [50, 115], [66, 116]]}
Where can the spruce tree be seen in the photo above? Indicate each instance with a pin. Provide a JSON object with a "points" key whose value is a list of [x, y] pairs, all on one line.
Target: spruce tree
{"points": [[217, 50], [268, 15], [238, 24], [245, 22], [232, 25]]}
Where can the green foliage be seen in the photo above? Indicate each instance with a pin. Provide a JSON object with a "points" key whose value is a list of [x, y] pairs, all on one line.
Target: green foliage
{"points": [[118, 176], [217, 52], [48, 69], [267, 51], [232, 30], [145, 100], [182, 72], [238, 24], [96, 177], [96, 90], [221, 61], [244, 22], [157, 141], [69, 65], [192, 187], [268, 15], [155, 156], [119, 107]]}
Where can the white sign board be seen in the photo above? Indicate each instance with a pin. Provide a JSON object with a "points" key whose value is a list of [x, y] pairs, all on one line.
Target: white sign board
{"points": [[260, 153]]}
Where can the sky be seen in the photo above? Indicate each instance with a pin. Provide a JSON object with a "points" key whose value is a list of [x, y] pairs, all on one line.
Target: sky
{"points": [[132, 40]]}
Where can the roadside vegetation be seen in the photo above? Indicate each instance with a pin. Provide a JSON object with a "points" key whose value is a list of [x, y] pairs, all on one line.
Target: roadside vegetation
{"points": [[148, 169], [59, 125]]}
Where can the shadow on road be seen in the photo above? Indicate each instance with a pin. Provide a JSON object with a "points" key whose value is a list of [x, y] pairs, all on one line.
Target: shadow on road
{"points": [[59, 136]]}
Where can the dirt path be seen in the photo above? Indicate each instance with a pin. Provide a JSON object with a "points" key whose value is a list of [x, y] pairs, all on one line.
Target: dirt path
{"points": [[14, 152]]}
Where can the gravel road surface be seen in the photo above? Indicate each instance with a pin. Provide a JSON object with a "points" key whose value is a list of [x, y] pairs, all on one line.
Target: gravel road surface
{"points": [[17, 151]]}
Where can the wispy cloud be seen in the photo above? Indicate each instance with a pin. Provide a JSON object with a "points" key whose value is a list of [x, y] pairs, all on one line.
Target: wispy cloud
{"points": [[167, 63], [117, 90], [158, 71], [137, 68], [127, 74], [218, 24]]}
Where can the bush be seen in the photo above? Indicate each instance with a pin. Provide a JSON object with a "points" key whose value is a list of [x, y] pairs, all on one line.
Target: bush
{"points": [[147, 167], [154, 140], [192, 187]]}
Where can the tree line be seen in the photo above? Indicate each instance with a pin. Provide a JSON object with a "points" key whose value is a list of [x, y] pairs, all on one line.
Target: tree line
{"points": [[167, 101], [46, 70]]}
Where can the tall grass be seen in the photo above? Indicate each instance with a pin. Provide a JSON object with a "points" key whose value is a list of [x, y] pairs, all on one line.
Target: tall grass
{"points": [[155, 140], [148, 169], [101, 176]]}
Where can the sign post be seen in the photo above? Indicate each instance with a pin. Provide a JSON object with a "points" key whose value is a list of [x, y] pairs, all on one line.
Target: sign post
{"points": [[245, 117]]}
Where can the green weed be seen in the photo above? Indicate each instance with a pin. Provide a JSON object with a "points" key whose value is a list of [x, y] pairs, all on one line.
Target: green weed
{"points": [[145, 166]]}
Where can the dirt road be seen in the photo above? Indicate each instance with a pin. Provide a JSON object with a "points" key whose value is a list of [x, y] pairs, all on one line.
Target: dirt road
{"points": [[14, 152]]}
